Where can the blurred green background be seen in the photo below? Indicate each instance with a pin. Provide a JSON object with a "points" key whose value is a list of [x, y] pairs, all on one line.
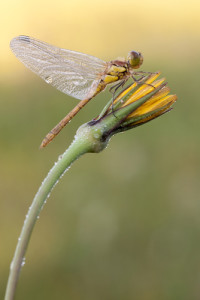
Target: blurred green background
{"points": [[123, 224]]}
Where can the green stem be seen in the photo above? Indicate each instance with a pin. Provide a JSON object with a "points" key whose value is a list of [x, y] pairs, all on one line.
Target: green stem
{"points": [[77, 148]]}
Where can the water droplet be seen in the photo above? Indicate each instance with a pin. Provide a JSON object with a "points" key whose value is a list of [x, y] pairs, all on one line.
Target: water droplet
{"points": [[23, 262], [96, 135], [11, 265], [49, 79]]}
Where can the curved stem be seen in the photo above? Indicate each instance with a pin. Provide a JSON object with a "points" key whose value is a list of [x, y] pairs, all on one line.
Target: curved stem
{"points": [[78, 147]]}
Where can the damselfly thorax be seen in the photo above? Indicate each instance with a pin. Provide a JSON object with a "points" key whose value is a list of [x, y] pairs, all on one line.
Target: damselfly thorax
{"points": [[76, 74]]}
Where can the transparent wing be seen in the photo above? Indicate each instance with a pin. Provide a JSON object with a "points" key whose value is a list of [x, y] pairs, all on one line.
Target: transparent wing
{"points": [[71, 72]]}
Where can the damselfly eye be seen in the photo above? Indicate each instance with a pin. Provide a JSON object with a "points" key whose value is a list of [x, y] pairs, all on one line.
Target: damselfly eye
{"points": [[135, 59]]}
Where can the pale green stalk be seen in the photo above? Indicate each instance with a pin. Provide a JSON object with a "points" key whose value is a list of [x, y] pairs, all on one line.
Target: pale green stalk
{"points": [[84, 142]]}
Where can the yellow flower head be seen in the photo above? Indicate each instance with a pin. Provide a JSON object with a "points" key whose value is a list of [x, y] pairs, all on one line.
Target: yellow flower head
{"points": [[138, 104]]}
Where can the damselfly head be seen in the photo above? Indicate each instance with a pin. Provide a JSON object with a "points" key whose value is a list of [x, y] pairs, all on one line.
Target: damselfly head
{"points": [[135, 59]]}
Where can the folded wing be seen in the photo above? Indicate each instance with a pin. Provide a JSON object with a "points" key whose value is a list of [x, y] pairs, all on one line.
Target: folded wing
{"points": [[71, 72]]}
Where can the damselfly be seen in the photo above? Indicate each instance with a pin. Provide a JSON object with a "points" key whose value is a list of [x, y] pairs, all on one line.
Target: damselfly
{"points": [[76, 74]]}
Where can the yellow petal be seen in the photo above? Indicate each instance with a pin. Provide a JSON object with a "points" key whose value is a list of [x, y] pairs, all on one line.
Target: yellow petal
{"points": [[143, 91], [151, 78], [152, 102], [166, 102]]}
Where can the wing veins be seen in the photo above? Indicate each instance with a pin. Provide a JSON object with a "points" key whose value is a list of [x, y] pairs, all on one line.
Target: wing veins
{"points": [[71, 72]]}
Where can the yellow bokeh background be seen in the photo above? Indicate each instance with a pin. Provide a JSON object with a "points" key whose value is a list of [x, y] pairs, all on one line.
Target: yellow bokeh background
{"points": [[106, 29], [123, 224]]}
